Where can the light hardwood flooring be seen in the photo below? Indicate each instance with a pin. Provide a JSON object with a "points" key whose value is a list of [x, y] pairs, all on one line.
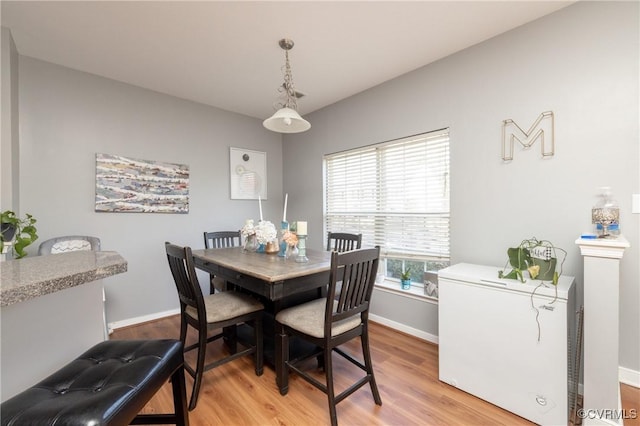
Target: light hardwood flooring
{"points": [[406, 370]]}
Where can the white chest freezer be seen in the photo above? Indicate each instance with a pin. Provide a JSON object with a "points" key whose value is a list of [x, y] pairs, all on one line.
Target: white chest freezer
{"points": [[500, 343]]}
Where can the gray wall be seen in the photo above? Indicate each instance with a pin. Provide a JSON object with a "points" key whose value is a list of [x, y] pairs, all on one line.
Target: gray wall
{"points": [[9, 149], [68, 116], [582, 64]]}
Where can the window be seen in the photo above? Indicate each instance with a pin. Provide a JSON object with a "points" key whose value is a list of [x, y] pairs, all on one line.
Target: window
{"points": [[396, 194]]}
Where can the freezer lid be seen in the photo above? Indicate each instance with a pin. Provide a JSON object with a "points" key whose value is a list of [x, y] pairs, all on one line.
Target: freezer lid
{"points": [[488, 275]]}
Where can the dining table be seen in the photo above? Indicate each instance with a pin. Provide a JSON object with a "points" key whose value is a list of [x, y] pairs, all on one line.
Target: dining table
{"points": [[268, 276], [278, 282]]}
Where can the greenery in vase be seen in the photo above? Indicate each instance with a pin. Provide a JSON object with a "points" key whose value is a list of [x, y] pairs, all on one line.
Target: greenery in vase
{"points": [[25, 231]]}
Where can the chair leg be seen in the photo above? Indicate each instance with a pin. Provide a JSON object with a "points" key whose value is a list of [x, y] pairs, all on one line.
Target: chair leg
{"points": [[366, 352], [320, 360], [282, 357], [197, 380], [212, 288], [259, 342], [328, 370], [231, 338]]}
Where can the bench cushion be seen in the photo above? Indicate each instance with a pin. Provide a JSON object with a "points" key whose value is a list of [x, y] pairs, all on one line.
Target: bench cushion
{"points": [[107, 385]]}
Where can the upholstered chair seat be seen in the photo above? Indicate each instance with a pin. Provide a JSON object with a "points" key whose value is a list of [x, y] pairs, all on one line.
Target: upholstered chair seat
{"points": [[309, 319], [225, 305]]}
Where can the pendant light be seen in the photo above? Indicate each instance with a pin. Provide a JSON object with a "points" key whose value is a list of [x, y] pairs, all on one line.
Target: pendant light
{"points": [[286, 119]]}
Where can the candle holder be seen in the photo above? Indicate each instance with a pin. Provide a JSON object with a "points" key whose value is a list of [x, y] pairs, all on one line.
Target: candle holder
{"points": [[302, 249]]}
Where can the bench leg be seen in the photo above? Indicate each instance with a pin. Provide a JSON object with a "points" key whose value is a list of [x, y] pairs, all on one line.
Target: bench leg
{"points": [[181, 416], [180, 397]]}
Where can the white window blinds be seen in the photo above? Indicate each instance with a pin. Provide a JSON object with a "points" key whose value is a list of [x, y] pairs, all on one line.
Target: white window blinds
{"points": [[395, 193]]}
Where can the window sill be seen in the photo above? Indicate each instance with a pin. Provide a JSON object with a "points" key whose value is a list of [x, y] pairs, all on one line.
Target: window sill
{"points": [[415, 292]]}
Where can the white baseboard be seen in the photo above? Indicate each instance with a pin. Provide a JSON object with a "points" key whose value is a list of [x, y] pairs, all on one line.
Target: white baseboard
{"points": [[629, 377], [139, 320], [404, 328]]}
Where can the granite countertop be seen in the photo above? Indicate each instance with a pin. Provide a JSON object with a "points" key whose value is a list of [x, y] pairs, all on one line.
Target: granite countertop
{"points": [[35, 276]]}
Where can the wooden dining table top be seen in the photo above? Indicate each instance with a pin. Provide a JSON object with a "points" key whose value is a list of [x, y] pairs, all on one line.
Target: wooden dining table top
{"points": [[267, 267]]}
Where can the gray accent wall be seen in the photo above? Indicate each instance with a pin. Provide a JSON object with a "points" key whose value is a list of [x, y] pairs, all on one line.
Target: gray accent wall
{"points": [[581, 63], [9, 148], [68, 116]]}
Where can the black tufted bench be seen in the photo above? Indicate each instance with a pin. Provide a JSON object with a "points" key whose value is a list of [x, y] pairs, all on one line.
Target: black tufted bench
{"points": [[107, 385]]}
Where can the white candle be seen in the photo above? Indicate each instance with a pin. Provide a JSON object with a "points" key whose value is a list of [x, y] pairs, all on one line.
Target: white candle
{"points": [[284, 213], [260, 205], [302, 228]]}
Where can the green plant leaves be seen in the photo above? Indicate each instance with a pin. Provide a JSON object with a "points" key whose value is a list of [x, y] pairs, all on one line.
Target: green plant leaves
{"points": [[519, 257], [26, 232]]}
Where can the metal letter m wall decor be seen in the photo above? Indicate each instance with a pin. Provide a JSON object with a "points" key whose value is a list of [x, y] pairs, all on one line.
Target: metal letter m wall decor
{"points": [[542, 129]]}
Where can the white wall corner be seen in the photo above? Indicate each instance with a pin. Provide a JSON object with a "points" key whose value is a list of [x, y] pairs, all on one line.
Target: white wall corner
{"points": [[635, 203], [629, 377]]}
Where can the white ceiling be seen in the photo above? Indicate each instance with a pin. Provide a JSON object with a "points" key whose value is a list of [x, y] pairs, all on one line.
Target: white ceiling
{"points": [[226, 53]]}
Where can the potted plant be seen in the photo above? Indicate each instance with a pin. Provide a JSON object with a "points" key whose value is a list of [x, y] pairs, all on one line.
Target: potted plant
{"points": [[23, 230], [538, 257], [405, 279]]}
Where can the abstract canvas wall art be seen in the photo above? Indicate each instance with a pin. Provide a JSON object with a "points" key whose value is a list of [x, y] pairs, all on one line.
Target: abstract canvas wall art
{"points": [[140, 186]]}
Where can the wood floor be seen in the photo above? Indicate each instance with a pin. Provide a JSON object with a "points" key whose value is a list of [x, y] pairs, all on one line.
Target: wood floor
{"points": [[406, 370]]}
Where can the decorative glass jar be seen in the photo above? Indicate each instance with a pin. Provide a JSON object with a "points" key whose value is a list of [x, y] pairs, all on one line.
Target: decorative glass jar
{"points": [[605, 214], [250, 243], [291, 251]]}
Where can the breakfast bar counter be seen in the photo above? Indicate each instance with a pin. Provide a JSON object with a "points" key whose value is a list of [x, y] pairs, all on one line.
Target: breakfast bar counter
{"points": [[51, 311], [31, 277]]}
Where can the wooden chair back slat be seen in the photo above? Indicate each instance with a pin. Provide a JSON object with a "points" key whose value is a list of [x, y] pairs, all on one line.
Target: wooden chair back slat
{"points": [[343, 241], [222, 239]]}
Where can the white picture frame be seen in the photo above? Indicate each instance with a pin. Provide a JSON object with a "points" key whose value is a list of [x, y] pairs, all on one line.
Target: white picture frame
{"points": [[247, 174]]}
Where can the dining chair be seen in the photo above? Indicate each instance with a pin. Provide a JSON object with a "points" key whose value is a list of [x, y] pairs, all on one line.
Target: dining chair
{"points": [[208, 315], [220, 239], [69, 243], [328, 323], [343, 241]]}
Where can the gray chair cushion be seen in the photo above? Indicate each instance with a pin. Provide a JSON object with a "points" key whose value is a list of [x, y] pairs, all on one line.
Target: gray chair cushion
{"points": [[309, 319], [226, 305], [70, 245]]}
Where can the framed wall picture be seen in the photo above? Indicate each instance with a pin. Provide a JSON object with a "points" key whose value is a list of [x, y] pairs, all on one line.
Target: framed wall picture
{"points": [[130, 185], [248, 174]]}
